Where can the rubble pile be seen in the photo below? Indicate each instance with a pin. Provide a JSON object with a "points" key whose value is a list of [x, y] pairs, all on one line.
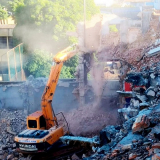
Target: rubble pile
{"points": [[90, 119], [138, 135], [138, 138], [11, 123]]}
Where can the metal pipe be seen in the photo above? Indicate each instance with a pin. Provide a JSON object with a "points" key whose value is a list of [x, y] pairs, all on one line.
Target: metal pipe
{"points": [[84, 10]]}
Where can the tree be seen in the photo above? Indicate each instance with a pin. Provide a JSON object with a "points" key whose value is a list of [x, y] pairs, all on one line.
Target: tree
{"points": [[39, 64], [9, 6], [69, 68], [3, 13], [12, 5], [51, 19], [44, 23]]}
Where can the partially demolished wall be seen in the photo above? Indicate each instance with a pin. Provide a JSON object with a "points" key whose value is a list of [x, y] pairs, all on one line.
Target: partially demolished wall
{"points": [[27, 95]]}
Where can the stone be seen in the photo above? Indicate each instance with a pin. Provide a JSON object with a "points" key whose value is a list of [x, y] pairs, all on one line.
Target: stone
{"points": [[14, 145], [1, 157], [9, 130], [142, 98], [156, 156], [151, 93], [75, 157], [126, 147], [141, 123], [143, 106], [15, 158], [9, 157], [149, 158], [4, 147], [156, 150], [107, 134], [156, 145], [132, 156], [135, 103], [152, 75]]}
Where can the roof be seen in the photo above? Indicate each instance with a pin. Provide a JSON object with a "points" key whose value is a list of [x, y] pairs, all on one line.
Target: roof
{"points": [[7, 26], [36, 114]]}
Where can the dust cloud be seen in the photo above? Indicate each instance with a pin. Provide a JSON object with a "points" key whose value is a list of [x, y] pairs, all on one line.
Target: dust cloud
{"points": [[90, 119], [35, 38]]}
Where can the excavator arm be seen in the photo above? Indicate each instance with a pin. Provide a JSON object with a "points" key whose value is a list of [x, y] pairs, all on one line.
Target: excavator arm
{"points": [[46, 101]]}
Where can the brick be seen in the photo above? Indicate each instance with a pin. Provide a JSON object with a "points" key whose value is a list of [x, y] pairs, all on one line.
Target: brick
{"points": [[156, 145], [156, 156], [140, 123], [132, 156]]}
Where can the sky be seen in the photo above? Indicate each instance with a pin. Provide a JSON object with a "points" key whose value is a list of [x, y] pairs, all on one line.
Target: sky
{"points": [[107, 2]]}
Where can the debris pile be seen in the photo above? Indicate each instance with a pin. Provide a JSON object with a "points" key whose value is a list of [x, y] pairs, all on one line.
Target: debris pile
{"points": [[138, 134], [11, 123], [90, 119]]}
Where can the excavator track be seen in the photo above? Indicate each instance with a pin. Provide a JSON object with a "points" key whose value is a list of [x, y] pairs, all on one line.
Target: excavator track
{"points": [[63, 153], [71, 145]]}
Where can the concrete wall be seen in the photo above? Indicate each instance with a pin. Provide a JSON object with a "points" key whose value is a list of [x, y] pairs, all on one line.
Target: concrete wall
{"points": [[27, 95]]}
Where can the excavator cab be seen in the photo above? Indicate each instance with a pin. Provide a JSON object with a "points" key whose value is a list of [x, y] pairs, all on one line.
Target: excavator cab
{"points": [[36, 121]]}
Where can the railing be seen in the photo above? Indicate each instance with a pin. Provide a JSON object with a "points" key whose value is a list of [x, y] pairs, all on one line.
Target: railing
{"points": [[14, 61]]}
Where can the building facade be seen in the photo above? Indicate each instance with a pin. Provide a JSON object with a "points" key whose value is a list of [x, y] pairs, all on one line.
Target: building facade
{"points": [[6, 43]]}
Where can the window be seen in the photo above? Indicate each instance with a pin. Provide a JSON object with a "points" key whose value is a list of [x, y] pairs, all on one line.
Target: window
{"points": [[32, 123], [42, 122], [3, 42], [10, 41]]}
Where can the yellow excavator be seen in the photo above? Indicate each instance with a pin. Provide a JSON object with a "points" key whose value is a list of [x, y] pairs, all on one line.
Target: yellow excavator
{"points": [[43, 131]]}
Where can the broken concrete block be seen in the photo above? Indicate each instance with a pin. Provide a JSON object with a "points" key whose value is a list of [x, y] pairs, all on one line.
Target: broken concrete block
{"points": [[156, 150], [126, 147], [75, 157], [142, 98], [156, 145], [151, 93], [156, 156], [133, 112], [134, 103], [141, 123], [127, 113], [132, 156], [152, 75], [10, 157], [143, 105], [107, 134]]}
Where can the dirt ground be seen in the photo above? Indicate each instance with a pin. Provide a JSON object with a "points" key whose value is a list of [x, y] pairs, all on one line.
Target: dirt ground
{"points": [[91, 119]]}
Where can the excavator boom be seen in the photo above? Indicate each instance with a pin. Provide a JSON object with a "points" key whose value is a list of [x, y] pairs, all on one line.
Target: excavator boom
{"points": [[46, 102]]}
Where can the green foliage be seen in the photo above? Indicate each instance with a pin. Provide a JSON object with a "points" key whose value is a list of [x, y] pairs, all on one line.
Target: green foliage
{"points": [[54, 17], [13, 5], [39, 64], [95, 57], [69, 68], [9, 5], [3, 13], [113, 28]]}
